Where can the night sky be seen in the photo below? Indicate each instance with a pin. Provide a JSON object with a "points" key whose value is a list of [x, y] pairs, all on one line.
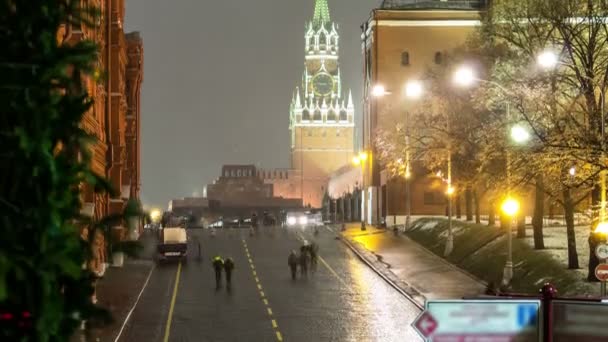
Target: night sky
{"points": [[218, 79]]}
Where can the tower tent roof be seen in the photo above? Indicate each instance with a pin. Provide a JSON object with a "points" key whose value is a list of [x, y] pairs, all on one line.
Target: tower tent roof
{"points": [[321, 16]]}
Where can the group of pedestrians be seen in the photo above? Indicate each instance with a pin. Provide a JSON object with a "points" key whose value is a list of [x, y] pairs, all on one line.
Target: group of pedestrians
{"points": [[226, 265], [307, 257]]}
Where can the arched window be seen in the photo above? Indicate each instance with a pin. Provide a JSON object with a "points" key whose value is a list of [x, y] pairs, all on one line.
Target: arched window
{"points": [[343, 115], [238, 173], [318, 116], [306, 115], [438, 58], [322, 40], [331, 116], [405, 58]]}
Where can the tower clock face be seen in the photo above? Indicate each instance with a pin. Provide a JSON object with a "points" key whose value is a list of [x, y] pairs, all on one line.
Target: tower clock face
{"points": [[323, 84]]}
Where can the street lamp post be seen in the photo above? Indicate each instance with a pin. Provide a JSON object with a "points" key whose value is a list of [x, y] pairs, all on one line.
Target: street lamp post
{"points": [[413, 90], [360, 160], [465, 76]]}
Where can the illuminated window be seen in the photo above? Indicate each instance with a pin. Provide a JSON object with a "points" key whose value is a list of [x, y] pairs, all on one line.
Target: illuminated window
{"points": [[405, 58]]}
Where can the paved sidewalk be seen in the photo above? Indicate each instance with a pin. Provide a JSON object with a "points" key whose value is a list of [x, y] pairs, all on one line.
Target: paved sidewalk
{"points": [[118, 291], [419, 271]]}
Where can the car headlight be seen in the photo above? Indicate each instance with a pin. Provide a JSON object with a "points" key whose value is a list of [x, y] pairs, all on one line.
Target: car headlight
{"points": [[303, 220], [291, 221]]}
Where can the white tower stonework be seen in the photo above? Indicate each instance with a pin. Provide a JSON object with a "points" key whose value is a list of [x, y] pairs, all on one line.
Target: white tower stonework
{"points": [[321, 117]]}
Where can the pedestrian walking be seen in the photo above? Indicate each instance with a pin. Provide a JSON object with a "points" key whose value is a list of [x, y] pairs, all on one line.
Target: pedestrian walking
{"points": [[228, 267], [292, 262], [218, 265], [304, 260], [313, 250]]}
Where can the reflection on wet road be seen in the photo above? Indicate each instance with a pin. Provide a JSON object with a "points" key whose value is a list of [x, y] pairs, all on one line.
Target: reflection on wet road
{"points": [[343, 300]]}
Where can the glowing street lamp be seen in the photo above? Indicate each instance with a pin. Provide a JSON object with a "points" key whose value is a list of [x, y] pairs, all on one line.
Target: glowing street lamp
{"points": [[363, 156], [509, 207], [519, 134], [572, 171], [413, 89], [464, 76], [155, 215], [378, 90], [359, 160], [547, 59]]}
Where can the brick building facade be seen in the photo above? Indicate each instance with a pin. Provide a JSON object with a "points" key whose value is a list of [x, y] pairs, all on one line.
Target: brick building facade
{"points": [[114, 119]]}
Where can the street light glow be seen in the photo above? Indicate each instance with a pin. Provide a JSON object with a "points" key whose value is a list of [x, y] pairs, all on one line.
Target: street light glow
{"points": [[155, 215], [572, 171], [413, 89], [356, 160], [464, 76], [547, 59], [519, 134], [378, 90], [602, 228], [363, 156], [510, 207], [450, 191]]}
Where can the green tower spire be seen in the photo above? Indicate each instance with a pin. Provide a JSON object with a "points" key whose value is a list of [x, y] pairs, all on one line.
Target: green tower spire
{"points": [[321, 16]]}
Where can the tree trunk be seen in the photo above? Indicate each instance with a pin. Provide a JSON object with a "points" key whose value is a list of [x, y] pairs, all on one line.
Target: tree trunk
{"points": [[594, 240], [521, 225], [458, 206], [468, 199], [551, 211], [492, 214], [477, 207], [569, 216], [539, 210]]}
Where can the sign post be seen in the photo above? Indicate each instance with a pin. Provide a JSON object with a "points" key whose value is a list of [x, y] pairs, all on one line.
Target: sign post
{"points": [[479, 319], [601, 271]]}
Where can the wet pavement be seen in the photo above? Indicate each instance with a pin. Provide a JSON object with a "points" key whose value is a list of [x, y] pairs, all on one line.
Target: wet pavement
{"points": [[344, 300], [430, 275]]}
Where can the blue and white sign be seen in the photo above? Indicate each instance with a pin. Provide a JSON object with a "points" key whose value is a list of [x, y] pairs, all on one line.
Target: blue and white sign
{"points": [[487, 320]]}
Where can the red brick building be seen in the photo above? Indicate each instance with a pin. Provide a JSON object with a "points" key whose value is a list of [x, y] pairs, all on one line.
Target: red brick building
{"points": [[114, 119]]}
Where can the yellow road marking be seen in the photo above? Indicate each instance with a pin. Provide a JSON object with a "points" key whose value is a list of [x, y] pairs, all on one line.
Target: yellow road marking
{"points": [[250, 261], [259, 287], [269, 311], [274, 324], [279, 337], [172, 305], [255, 273], [257, 280], [332, 271], [265, 301], [262, 294]]}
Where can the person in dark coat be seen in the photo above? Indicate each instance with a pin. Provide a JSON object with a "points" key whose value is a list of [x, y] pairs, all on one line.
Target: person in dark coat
{"points": [[228, 268], [292, 262], [304, 259], [218, 265]]}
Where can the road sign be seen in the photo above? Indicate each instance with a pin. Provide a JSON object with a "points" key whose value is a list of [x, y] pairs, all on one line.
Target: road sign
{"points": [[487, 320], [579, 321], [601, 272], [425, 324], [601, 251]]}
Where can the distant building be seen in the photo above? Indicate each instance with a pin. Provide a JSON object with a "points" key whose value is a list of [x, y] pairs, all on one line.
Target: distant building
{"points": [[321, 117], [400, 41], [240, 190]]}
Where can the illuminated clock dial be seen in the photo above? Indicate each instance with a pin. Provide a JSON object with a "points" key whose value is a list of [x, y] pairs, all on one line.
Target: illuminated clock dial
{"points": [[323, 84]]}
